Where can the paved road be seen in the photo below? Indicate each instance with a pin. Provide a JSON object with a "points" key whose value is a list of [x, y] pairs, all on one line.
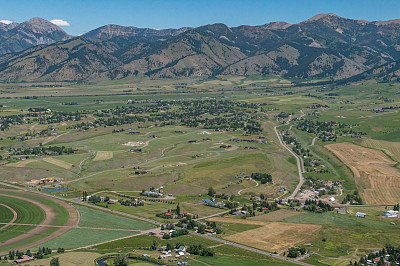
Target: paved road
{"points": [[300, 163]]}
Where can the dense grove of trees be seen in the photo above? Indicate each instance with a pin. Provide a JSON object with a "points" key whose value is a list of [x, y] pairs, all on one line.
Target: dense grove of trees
{"points": [[262, 177], [50, 150], [295, 252], [200, 250]]}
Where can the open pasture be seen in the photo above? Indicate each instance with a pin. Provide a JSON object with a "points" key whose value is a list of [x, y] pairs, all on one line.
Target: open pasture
{"points": [[374, 174]]}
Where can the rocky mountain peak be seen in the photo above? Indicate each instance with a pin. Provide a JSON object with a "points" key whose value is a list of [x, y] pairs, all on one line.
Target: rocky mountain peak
{"points": [[322, 16], [39, 25]]}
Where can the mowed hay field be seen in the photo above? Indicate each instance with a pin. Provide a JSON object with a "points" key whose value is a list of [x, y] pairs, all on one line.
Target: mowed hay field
{"points": [[21, 164], [272, 236], [375, 176], [103, 155], [72, 259], [390, 148], [59, 163]]}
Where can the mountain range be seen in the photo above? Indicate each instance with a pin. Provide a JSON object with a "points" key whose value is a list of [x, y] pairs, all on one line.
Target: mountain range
{"points": [[324, 46]]}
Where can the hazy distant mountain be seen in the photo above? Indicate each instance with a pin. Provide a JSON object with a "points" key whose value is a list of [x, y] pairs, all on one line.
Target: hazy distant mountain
{"points": [[17, 37], [110, 31], [325, 45]]}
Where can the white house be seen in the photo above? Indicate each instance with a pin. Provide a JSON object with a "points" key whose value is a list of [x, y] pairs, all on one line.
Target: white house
{"points": [[390, 214], [361, 214], [332, 199]]}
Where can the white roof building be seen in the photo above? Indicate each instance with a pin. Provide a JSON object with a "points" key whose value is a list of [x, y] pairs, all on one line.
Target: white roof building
{"points": [[391, 214]]}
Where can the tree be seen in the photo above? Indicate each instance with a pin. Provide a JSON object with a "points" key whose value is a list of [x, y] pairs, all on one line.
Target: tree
{"points": [[178, 209], [169, 246], [54, 262], [154, 246], [121, 260], [211, 191]]}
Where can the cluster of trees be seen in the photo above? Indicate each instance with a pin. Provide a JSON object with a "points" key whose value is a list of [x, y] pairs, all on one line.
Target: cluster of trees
{"points": [[50, 150], [264, 205], [200, 250], [354, 199], [297, 148], [174, 213], [225, 115], [176, 233], [10, 120], [396, 207], [56, 117], [284, 115], [262, 177], [43, 251], [318, 207], [328, 131], [388, 255], [295, 252], [94, 199]]}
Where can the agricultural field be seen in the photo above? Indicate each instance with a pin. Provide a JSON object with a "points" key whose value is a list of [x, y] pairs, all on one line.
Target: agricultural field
{"points": [[272, 236], [373, 172], [31, 211]]}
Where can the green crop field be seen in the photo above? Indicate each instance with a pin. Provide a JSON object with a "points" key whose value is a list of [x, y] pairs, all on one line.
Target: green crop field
{"points": [[6, 215], [98, 219], [86, 237], [27, 213]]}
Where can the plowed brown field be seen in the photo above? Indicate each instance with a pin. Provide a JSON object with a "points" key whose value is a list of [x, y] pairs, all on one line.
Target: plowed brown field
{"points": [[375, 176]]}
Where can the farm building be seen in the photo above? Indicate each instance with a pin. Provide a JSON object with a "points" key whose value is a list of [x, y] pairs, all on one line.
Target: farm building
{"points": [[331, 199], [24, 259], [361, 214], [166, 256], [390, 214], [341, 211], [112, 201]]}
